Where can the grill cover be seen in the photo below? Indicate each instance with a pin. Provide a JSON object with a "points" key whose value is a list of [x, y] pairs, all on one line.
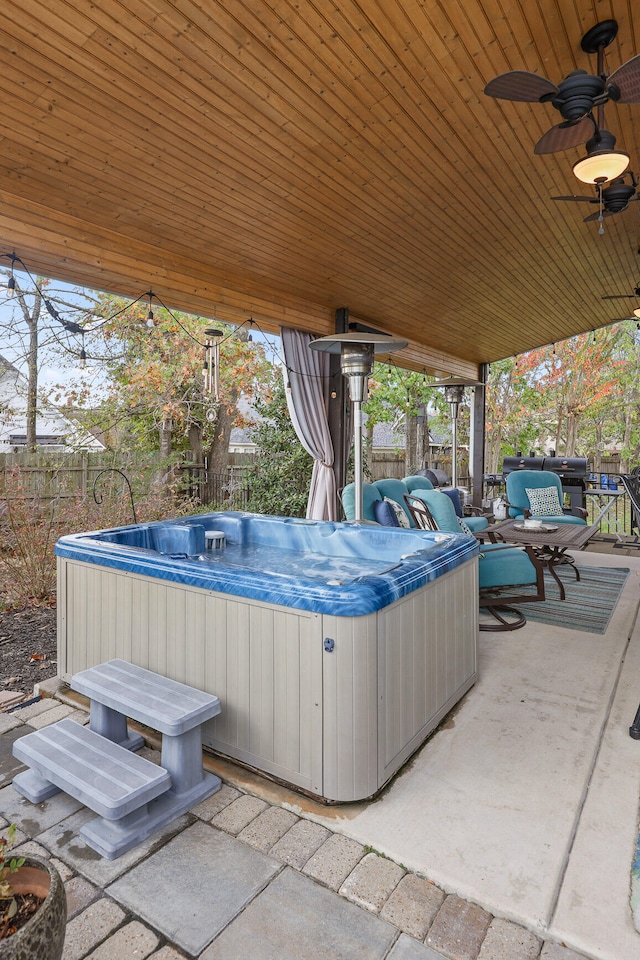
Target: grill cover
{"points": [[509, 464], [437, 477], [574, 467]]}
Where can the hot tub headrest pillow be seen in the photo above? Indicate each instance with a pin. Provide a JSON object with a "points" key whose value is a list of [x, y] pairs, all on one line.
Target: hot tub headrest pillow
{"points": [[187, 538]]}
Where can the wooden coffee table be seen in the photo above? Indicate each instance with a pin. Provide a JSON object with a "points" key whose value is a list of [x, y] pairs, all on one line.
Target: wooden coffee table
{"points": [[550, 545]]}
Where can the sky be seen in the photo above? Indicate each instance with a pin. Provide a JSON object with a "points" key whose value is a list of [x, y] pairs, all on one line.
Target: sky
{"points": [[59, 350]]}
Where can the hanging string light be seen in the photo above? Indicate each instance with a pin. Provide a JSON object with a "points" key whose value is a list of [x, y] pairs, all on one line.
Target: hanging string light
{"points": [[11, 282], [83, 355], [150, 317]]}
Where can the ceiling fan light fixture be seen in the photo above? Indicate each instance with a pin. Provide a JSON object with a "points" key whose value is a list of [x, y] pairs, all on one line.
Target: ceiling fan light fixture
{"points": [[602, 162], [636, 313], [601, 166]]}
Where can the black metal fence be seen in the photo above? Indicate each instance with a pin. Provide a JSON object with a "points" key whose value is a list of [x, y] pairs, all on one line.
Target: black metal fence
{"points": [[220, 491]]}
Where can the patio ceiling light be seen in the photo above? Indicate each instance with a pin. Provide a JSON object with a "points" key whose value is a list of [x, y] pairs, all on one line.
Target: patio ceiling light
{"points": [[602, 162]]}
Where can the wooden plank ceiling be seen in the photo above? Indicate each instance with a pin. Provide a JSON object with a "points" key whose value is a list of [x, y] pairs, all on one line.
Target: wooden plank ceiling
{"points": [[283, 158]]}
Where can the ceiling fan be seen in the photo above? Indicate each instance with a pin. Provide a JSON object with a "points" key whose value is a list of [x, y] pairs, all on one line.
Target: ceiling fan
{"points": [[624, 296], [577, 96], [616, 197]]}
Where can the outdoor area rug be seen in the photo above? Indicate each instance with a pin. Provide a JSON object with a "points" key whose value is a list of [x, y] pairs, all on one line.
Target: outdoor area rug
{"points": [[590, 601], [635, 888]]}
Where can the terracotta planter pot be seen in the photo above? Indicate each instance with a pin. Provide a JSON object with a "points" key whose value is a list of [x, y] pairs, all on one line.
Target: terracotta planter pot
{"points": [[42, 937]]}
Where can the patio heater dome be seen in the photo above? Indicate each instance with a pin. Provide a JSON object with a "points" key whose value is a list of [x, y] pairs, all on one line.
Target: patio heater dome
{"points": [[357, 352], [454, 388]]}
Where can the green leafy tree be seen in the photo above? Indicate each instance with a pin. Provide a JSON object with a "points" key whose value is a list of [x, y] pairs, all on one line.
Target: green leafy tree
{"points": [[280, 476], [406, 399], [511, 411], [157, 398]]}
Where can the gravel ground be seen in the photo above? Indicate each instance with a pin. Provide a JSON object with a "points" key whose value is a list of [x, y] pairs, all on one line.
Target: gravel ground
{"points": [[27, 648]]}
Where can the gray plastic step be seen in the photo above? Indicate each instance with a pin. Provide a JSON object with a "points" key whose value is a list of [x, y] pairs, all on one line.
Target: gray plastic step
{"points": [[104, 776], [159, 702]]}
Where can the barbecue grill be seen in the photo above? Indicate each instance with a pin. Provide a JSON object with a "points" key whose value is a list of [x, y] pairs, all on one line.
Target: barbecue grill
{"points": [[573, 473], [437, 477]]}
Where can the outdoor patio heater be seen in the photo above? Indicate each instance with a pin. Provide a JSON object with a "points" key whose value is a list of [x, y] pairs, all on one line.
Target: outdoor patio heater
{"points": [[454, 393], [357, 352]]}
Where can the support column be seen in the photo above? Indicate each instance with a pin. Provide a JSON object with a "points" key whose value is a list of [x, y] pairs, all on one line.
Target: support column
{"points": [[478, 427], [338, 415]]}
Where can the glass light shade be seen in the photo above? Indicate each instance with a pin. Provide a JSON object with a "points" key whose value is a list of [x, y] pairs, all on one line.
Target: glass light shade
{"points": [[636, 313], [601, 166]]}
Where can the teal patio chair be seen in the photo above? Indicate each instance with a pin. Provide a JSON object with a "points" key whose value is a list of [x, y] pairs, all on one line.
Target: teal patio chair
{"points": [[415, 484], [502, 568], [538, 493]]}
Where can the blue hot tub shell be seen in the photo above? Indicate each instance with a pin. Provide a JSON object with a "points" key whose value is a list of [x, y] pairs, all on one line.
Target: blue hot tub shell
{"points": [[316, 636]]}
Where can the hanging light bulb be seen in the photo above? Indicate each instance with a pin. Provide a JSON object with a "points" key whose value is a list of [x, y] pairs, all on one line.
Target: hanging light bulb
{"points": [[594, 337], [11, 282], [150, 317], [83, 357], [554, 350]]}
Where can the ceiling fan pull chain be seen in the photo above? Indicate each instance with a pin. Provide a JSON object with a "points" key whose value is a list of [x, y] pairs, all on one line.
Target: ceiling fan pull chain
{"points": [[601, 217]]}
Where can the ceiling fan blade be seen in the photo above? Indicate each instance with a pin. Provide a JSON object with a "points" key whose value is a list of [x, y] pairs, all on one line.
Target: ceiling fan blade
{"points": [[520, 85], [581, 199], [605, 213], [627, 79], [619, 296], [564, 136]]}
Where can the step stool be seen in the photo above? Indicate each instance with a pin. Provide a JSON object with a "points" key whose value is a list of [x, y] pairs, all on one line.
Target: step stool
{"points": [[115, 783]]}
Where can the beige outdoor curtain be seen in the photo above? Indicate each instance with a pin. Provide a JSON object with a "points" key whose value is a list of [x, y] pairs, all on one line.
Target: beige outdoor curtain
{"points": [[307, 378]]}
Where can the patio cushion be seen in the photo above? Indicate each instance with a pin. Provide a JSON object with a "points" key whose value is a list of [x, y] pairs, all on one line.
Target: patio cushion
{"points": [[441, 509], [400, 515], [385, 514], [471, 523], [500, 567], [394, 490], [464, 526], [415, 482], [454, 496], [370, 495], [544, 501]]}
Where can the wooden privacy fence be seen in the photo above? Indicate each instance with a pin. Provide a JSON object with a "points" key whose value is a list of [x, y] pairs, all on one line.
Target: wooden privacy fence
{"points": [[48, 476], [60, 476]]}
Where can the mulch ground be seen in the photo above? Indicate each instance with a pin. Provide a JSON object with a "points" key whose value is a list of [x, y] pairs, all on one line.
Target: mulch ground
{"points": [[27, 648]]}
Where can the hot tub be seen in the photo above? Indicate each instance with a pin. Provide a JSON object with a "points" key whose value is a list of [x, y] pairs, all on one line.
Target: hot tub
{"points": [[335, 648]]}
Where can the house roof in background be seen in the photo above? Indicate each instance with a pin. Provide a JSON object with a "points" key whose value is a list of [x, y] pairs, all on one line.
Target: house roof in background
{"points": [[281, 160]]}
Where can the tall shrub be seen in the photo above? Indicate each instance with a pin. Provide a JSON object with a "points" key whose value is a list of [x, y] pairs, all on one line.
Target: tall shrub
{"points": [[279, 478]]}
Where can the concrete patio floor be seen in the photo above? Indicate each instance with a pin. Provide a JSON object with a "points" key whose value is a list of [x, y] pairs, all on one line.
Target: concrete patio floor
{"points": [[509, 835], [526, 800]]}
